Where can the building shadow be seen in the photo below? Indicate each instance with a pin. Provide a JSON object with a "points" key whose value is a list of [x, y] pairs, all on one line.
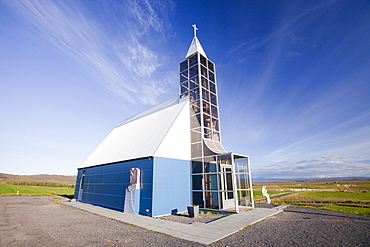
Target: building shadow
{"points": [[68, 196]]}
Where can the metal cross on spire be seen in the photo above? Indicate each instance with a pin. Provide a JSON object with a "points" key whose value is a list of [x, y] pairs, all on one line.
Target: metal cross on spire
{"points": [[195, 29]]}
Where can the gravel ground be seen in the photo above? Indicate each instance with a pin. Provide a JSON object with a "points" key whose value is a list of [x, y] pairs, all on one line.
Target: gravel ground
{"points": [[304, 227], [38, 221]]}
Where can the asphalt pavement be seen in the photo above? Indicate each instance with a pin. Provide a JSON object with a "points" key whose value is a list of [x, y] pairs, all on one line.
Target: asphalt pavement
{"points": [[40, 221]]}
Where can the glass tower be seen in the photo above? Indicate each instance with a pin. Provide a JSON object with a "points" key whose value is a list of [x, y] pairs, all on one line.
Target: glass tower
{"points": [[220, 180], [198, 80]]}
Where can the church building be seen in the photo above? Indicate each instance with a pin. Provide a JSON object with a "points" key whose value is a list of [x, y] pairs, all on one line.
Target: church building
{"points": [[170, 156]]}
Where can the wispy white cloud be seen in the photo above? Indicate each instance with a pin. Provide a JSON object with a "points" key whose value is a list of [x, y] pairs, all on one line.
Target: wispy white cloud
{"points": [[331, 120], [278, 46], [319, 167], [124, 62], [334, 158], [285, 30], [340, 138], [150, 13], [315, 106]]}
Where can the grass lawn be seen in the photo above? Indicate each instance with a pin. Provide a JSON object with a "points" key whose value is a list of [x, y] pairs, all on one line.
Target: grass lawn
{"points": [[337, 195], [350, 202], [352, 198], [11, 190], [349, 209]]}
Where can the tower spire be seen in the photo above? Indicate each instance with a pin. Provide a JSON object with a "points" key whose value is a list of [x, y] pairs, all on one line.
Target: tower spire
{"points": [[195, 45], [198, 81]]}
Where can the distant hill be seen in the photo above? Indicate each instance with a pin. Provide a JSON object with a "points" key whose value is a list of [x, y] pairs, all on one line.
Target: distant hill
{"points": [[40, 178], [62, 179]]}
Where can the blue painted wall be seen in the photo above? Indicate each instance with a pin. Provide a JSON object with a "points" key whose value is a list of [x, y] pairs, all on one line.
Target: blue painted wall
{"points": [[165, 185], [105, 185], [171, 190]]}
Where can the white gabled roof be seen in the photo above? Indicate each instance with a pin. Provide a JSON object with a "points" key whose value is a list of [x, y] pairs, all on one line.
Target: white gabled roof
{"points": [[161, 131], [195, 46]]}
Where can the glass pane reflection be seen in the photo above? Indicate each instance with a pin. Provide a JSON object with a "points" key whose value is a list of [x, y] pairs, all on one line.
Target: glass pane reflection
{"points": [[193, 60], [184, 65], [212, 200]]}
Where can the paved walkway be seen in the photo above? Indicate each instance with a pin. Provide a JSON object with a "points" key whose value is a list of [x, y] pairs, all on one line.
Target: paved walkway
{"points": [[204, 233]]}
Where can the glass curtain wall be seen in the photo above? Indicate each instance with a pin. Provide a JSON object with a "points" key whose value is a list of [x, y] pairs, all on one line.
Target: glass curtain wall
{"points": [[222, 182], [198, 80], [219, 182]]}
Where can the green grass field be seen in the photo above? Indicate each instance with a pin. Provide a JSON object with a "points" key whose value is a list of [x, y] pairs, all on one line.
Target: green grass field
{"points": [[11, 190], [337, 195], [352, 198], [348, 209]]}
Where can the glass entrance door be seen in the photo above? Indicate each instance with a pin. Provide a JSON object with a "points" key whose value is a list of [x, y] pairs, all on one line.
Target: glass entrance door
{"points": [[227, 193], [82, 183]]}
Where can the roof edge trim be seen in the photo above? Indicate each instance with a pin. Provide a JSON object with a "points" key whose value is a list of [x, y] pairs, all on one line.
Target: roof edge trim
{"points": [[110, 163]]}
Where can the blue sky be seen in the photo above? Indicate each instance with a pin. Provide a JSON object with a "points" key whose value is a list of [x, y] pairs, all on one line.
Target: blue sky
{"points": [[293, 79]]}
